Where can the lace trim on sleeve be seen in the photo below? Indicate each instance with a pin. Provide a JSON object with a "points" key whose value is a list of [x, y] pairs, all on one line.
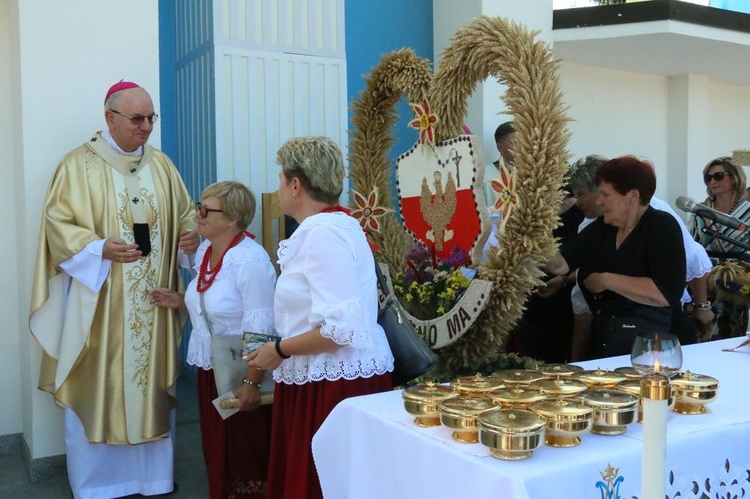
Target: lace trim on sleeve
{"points": [[258, 321], [344, 324]]}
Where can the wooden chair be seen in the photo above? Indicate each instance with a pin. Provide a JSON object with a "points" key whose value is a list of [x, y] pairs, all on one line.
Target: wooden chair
{"points": [[273, 224]]}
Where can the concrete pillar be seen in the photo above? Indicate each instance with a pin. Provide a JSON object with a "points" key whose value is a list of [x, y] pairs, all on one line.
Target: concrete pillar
{"points": [[687, 136]]}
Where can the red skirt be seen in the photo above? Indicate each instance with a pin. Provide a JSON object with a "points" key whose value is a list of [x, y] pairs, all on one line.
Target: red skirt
{"points": [[298, 412], [236, 450]]}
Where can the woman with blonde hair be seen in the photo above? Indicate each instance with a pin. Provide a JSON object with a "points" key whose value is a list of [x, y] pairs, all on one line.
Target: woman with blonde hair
{"points": [[326, 310], [726, 186], [232, 293]]}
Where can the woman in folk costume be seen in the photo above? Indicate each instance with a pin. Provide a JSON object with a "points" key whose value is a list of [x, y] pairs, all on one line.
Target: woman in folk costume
{"points": [[115, 215], [232, 293], [325, 309], [726, 187]]}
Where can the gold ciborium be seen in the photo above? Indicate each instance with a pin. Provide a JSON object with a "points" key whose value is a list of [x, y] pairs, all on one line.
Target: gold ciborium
{"points": [[511, 434], [460, 415], [516, 397], [693, 391], [613, 410], [566, 419], [600, 378], [477, 385], [422, 401]]}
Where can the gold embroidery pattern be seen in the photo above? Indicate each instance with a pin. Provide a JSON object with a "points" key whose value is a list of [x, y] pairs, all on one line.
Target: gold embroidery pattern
{"points": [[140, 277]]}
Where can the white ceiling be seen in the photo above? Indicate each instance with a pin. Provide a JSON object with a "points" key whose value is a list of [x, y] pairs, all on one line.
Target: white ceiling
{"points": [[664, 48]]}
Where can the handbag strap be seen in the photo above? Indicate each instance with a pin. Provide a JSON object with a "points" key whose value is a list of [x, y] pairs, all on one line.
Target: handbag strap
{"points": [[204, 314]]}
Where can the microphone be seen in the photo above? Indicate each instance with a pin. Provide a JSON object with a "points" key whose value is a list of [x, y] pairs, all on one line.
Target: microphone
{"points": [[688, 204]]}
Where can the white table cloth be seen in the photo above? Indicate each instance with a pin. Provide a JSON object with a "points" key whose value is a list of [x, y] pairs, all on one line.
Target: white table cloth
{"points": [[368, 447]]}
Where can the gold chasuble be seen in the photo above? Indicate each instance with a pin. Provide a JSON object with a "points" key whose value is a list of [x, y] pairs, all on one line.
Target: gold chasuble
{"points": [[111, 356]]}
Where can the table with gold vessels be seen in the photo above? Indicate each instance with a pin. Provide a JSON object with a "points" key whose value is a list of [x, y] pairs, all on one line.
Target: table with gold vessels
{"points": [[369, 447]]}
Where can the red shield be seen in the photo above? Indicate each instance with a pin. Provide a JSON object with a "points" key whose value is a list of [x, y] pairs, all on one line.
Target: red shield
{"points": [[441, 196]]}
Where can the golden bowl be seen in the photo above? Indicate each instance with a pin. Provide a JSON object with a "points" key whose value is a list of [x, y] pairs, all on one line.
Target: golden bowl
{"points": [[629, 372], [516, 397], [460, 415], [600, 378], [559, 370], [559, 387], [478, 385], [511, 434], [693, 391], [521, 377], [567, 420], [613, 410], [422, 401]]}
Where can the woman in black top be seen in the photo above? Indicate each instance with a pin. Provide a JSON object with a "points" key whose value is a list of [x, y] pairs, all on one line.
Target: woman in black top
{"points": [[631, 261]]}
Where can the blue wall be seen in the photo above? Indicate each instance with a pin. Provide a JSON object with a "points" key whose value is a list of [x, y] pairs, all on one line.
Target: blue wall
{"points": [[375, 28], [167, 80]]}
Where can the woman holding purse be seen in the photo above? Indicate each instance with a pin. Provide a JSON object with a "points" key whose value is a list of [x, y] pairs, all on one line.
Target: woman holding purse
{"points": [[326, 311], [232, 293]]}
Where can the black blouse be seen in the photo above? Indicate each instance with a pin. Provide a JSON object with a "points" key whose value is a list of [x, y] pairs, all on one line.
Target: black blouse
{"points": [[653, 249]]}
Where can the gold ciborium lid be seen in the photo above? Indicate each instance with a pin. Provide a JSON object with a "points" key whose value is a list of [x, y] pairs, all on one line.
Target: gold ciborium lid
{"points": [[422, 401], [477, 385], [518, 376], [629, 372], [613, 410], [559, 370], [567, 419], [511, 434], [693, 392], [600, 378], [460, 415], [559, 387], [631, 386], [516, 396]]}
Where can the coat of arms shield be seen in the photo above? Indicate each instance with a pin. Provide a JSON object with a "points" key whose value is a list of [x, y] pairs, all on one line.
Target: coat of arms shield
{"points": [[441, 197]]}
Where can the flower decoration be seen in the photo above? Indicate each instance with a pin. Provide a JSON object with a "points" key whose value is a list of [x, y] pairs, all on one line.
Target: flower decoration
{"points": [[424, 123], [367, 210], [506, 188], [429, 288]]}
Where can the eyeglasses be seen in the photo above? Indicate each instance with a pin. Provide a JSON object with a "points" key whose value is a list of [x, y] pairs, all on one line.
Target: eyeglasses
{"points": [[718, 176], [203, 210], [137, 119]]}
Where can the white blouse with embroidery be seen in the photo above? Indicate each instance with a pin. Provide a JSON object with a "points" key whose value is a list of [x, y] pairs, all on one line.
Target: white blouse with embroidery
{"points": [[328, 280], [240, 299]]}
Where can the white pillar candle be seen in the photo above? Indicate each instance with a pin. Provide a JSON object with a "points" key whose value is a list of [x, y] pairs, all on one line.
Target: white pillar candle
{"points": [[655, 392]]}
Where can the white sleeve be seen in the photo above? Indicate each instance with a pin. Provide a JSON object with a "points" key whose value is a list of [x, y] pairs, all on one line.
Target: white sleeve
{"points": [[256, 280], [698, 263], [334, 276], [88, 266]]}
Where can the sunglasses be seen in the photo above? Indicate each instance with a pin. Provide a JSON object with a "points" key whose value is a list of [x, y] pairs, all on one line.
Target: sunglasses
{"points": [[718, 176]]}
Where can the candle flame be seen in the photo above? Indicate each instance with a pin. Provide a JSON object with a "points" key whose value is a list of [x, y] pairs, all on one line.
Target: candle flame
{"points": [[656, 364]]}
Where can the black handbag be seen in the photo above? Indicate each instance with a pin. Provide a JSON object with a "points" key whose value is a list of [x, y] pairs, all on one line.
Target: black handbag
{"points": [[617, 324], [412, 356]]}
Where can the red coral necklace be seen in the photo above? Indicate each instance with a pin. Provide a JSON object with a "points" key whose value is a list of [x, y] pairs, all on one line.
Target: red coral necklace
{"points": [[207, 277]]}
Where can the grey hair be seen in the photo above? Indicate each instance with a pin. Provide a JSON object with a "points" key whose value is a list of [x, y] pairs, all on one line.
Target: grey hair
{"points": [[582, 173], [237, 201], [113, 101], [318, 164]]}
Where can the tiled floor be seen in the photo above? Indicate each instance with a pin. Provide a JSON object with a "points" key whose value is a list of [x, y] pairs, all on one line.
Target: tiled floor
{"points": [[189, 469]]}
